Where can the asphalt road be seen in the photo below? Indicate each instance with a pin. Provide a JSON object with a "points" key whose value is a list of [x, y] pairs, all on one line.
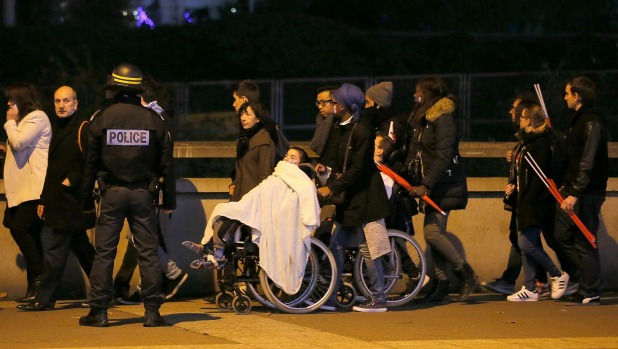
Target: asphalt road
{"points": [[485, 321]]}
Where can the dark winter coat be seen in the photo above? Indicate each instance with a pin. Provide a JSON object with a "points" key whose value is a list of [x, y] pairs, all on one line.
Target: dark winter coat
{"points": [[381, 118], [365, 196], [588, 163], [535, 204], [328, 157], [435, 142], [66, 161], [255, 165]]}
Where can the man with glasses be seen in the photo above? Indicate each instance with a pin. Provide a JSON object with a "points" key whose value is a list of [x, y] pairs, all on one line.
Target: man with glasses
{"points": [[324, 140]]}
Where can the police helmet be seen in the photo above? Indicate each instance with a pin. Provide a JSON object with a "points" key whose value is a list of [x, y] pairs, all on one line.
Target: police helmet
{"points": [[125, 77]]}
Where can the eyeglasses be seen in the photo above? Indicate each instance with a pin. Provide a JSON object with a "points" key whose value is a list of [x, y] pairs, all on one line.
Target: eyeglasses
{"points": [[323, 103]]}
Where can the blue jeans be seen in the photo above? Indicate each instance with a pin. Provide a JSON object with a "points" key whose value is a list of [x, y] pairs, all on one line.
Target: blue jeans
{"points": [[578, 249], [534, 255]]}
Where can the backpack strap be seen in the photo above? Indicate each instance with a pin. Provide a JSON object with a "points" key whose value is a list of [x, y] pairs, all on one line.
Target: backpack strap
{"points": [[79, 136]]}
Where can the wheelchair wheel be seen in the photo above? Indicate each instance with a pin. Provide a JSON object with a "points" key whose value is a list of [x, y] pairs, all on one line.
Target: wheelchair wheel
{"points": [[346, 295], [241, 304], [404, 270], [224, 300], [317, 285], [254, 289]]}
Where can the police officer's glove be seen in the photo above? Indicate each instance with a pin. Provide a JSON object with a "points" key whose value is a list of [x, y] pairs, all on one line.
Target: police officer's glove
{"points": [[419, 191]]}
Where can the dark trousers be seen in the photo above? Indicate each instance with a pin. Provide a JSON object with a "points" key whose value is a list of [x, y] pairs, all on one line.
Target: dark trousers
{"points": [[442, 249], [25, 227], [137, 206], [61, 242], [122, 281], [577, 248], [81, 248]]}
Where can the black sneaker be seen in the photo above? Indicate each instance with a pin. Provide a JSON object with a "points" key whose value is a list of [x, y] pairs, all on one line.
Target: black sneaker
{"points": [[579, 299], [371, 306], [174, 285]]}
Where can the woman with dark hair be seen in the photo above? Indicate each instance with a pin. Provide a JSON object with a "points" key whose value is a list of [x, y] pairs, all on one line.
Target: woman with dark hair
{"points": [[29, 134], [437, 170], [255, 161], [255, 150]]}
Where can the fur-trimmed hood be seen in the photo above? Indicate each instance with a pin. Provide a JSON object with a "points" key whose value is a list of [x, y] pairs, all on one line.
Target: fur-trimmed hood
{"points": [[441, 107]]}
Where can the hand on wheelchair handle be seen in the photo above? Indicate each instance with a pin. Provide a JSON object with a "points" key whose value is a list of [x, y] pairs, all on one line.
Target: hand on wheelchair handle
{"points": [[325, 192]]}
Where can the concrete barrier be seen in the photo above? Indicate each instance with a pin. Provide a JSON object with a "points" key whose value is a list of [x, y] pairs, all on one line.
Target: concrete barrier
{"points": [[481, 230]]}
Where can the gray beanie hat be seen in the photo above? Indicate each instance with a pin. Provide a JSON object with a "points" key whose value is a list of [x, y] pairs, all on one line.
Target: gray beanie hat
{"points": [[381, 93]]}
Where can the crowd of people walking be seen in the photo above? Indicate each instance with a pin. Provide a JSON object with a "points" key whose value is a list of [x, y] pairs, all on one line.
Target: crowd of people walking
{"points": [[126, 148]]}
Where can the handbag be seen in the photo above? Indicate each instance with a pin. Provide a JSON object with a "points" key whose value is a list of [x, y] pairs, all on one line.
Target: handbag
{"points": [[339, 198], [415, 169]]}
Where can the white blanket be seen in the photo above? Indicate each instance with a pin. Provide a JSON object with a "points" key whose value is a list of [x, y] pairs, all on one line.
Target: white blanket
{"points": [[282, 212]]}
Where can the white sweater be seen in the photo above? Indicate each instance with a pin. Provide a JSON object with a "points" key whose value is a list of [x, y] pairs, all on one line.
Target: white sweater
{"points": [[26, 157]]}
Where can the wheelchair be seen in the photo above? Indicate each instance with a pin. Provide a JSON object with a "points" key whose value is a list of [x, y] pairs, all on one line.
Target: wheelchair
{"points": [[242, 280], [404, 267], [404, 271]]}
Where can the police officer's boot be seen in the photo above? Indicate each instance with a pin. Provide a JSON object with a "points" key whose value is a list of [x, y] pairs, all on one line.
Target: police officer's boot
{"points": [[97, 317], [152, 317]]}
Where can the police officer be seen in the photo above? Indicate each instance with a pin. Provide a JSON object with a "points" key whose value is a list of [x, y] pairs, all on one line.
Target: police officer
{"points": [[129, 151]]}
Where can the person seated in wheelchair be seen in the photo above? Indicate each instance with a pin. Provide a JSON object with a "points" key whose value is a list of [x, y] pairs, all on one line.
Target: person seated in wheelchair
{"points": [[280, 213]]}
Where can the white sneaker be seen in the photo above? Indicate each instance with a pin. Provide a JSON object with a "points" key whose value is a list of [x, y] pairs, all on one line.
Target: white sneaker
{"points": [[523, 296], [559, 285]]}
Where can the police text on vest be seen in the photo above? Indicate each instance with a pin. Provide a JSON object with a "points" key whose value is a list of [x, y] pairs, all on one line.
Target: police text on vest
{"points": [[128, 137]]}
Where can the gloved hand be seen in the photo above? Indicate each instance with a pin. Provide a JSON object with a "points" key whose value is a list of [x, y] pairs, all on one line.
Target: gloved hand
{"points": [[419, 191]]}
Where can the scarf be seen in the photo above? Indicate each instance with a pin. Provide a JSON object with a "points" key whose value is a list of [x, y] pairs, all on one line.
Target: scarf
{"points": [[243, 140], [322, 130]]}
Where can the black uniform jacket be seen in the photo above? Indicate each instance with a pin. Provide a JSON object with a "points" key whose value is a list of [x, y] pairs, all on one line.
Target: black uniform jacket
{"points": [[129, 144]]}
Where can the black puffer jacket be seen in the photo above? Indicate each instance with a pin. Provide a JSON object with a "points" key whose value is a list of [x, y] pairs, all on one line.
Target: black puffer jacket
{"points": [[435, 141]]}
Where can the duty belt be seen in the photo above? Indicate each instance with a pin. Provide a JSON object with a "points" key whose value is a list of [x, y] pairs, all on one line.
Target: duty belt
{"points": [[129, 185]]}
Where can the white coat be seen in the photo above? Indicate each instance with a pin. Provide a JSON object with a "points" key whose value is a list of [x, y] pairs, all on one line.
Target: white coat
{"points": [[26, 157]]}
